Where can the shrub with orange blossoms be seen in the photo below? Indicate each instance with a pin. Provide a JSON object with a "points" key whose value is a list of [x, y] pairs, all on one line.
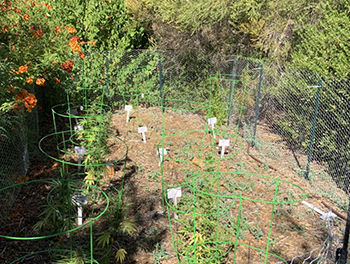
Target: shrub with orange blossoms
{"points": [[28, 99], [40, 82], [23, 69]]}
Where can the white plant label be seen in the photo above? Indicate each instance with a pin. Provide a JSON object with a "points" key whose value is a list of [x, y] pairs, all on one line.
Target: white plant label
{"points": [[211, 122], [80, 151], [128, 109], [74, 112], [160, 152], [173, 194], [142, 95], [78, 127], [143, 130], [223, 143], [79, 200]]}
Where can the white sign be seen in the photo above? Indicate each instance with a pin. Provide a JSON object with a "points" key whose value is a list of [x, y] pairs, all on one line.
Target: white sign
{"points": [[78, 127], [128, 109], [211, 122], [74, 112], [160, 152], [223, 143], [143, 130], [79, 200], [173, 194], [80, 151]]}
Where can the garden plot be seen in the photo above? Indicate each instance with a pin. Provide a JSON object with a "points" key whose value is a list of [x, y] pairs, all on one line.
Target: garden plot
{"points": [[233, 208], [291, 230]]}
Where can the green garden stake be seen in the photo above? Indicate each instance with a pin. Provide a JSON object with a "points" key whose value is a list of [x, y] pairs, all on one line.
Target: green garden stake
{"points": [[319, 86]]}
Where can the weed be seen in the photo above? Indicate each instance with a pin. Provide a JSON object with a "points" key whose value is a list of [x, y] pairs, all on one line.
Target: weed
{"points": [[159, 254]]}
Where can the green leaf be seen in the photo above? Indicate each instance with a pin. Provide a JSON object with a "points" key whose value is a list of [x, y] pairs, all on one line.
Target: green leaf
{"points": [[104, 239], [120, 256]]}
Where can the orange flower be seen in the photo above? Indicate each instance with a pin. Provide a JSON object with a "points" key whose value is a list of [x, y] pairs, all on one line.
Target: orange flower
{"points": [[23, 69], [30, 102], [48, 7], [71, 30], [40, 82], [29, 80], [58, 81], [4, 29], [81, 55], [38, 33], [57, 29], [21, 95], [26, 16], [92, 42], [73, 43]]}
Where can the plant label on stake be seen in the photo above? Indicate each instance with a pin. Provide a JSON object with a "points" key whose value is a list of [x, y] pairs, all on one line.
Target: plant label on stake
{"points": [[143, 130], [74, 112], [173, 194], [223, 143], [79, 200], [160, 152], [80, 151], [128, 109], [211, 122], [78, 127]]}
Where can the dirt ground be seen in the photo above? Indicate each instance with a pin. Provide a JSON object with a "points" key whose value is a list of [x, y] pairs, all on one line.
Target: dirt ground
{"points": [[272, 216]]}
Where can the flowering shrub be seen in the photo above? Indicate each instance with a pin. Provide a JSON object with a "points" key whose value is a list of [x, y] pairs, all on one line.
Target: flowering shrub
{"points": [[42, 43]]}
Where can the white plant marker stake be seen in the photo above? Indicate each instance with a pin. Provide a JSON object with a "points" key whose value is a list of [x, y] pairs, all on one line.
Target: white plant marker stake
{"points": [[74, 112], [173, 194], [80, 151], [211, 122], [78, 127], [324, 216], [128, 109], [142, 95], [223, 143], [143, 130], [79, 200], [160, 152]]}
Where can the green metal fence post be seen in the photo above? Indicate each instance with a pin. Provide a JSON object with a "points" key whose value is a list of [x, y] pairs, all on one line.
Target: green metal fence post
{"points": [[257, 106], [160, 83], [231, 91], [319, 86], [107, 77]]}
